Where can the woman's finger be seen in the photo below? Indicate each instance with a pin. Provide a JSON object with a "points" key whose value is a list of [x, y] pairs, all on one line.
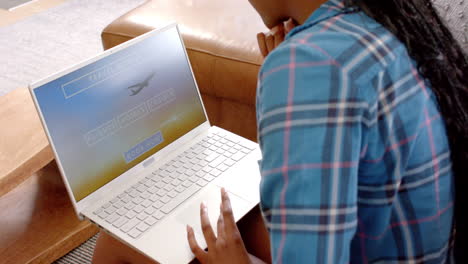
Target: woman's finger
{"points": [[230, 226], [199, 253], [289, 25], [221, 232], [279, 35], [270, 42], [262, 44], [206, 226]]}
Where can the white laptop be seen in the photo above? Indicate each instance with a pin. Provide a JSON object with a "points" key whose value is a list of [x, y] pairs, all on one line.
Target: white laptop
{"points": [[135, 147]]}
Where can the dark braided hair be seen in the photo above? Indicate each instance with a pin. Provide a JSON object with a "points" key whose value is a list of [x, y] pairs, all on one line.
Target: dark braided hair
{"points": [[442, 62]]}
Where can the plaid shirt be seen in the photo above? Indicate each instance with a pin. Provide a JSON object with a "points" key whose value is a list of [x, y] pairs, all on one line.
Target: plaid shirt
{"points": [[355, 160]]}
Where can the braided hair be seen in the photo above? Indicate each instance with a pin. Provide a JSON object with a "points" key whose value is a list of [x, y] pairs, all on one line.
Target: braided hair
{"points": [[442, 62]]}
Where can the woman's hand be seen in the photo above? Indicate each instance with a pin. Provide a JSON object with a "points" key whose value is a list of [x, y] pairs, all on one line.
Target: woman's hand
{"points": [[267, 42], [228, 247]]}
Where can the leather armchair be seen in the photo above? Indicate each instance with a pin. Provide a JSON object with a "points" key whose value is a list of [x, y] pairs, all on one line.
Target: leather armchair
{"points": [[220, 37]]}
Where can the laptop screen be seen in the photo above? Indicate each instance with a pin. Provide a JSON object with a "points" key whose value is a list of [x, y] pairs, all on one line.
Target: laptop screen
{"points": [[108, 116]]}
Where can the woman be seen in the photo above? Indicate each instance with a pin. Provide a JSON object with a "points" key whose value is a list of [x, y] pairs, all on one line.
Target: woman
{"points": [[362, 112]]}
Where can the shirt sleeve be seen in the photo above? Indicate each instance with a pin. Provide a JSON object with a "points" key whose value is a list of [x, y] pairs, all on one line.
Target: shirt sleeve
{"points": [[310, 130]]}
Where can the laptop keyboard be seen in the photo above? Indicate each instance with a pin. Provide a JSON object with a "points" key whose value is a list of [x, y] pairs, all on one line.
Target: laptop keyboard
{"points": [[142, 205]]}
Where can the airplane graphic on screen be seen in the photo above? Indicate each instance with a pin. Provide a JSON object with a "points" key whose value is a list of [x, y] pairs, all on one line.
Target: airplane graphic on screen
{"points": [[137, 88]]}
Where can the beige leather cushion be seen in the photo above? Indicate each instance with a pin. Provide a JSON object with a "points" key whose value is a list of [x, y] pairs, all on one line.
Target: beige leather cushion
{"points": [[220, 37]]}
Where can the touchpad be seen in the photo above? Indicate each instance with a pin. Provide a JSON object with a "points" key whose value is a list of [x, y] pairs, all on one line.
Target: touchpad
{"points": [[190, 214]]}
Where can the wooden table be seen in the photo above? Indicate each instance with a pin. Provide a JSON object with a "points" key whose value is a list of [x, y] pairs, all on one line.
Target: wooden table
{"points": [[24, 148], [37, 221]]}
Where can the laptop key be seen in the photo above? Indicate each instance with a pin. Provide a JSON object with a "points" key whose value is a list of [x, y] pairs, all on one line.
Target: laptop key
{"points": [[142, 216], [213, 148], [211, 157], [119, 204], [158, 215], [190, 172], [203, 163], [129, 225], [177, 164], [180, 199], [107, 205], [103, 215], [176, 182], [180, 189], [246, 151], [158, 204], [238, 156], [150, 210], [152, 189], [112, 218], [229, 162], [165, 174], [217, 161], [172, 194], [98, 211], [151, 220], [154, 198], [166, 180], [169, 187], [220, 151], [138, 209], [193, 179], [146, 203], [222, 167], [196, 167], [142, 188], [116, 199], [137, 200], [160, 184], [202, 182], [165, 199], [120, 222], [206, 169], [129, 206], [162, 192], [208, 177], [122, 211], [130, 214], [134, 193], [232, 150], [145, 195], [110, 210], [215, 172], [134, 233], [183, 177]]}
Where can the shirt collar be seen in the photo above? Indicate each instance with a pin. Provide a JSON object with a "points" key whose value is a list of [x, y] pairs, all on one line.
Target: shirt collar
{"points": [[327, 10]]}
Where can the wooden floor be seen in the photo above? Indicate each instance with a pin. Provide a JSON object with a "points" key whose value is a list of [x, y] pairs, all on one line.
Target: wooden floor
{"points": [[24, 11]]}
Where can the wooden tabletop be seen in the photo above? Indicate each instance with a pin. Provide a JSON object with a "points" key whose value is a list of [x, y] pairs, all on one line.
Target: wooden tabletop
{"points": [[37, 220], [24, 148]]}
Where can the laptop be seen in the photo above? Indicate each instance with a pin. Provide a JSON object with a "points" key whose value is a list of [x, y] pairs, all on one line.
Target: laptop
{"points": [[136, 150]]}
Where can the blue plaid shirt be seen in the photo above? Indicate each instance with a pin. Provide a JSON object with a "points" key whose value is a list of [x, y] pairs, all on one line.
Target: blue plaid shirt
{"points": [[356, 165]]}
